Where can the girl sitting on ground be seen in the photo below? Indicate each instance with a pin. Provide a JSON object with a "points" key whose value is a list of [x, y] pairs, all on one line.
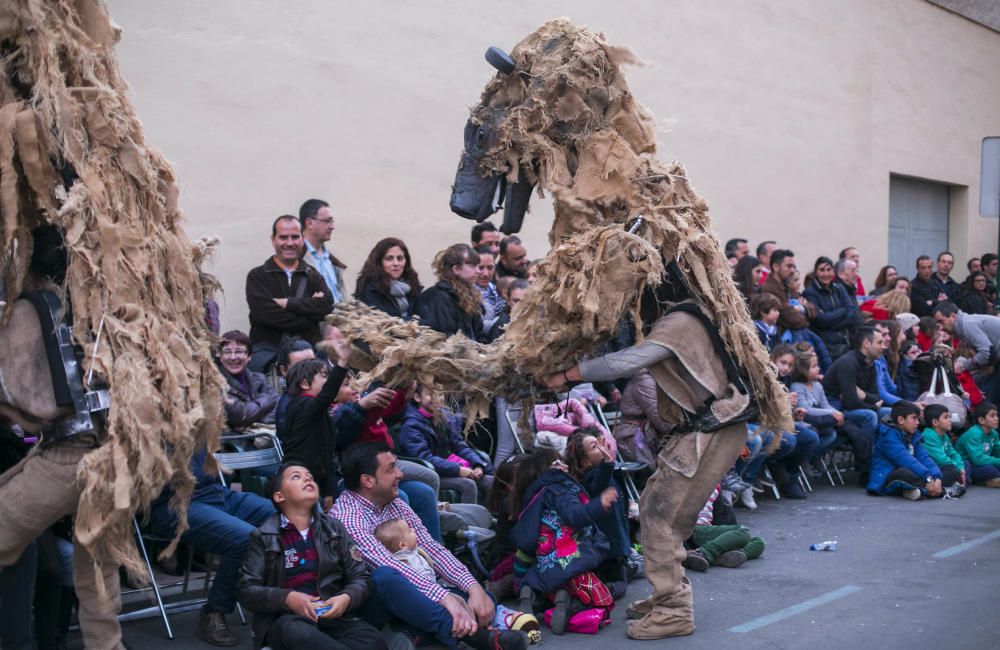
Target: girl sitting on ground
{"points": [[591, 464], [559, 543]]}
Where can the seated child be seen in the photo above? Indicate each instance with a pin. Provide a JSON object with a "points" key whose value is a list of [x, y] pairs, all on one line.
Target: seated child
{"points": [[765, 310], [432, 433], [900, 464], [937, 442], [728, 546], [906, 379], [302, 576], [810, 396], [559, 544], [785, 463], [980, 445], [589, 462], [308, 435], [401, 540]]}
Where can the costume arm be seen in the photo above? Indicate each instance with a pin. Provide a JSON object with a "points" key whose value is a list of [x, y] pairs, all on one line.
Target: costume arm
{"points": [[624, 363]]}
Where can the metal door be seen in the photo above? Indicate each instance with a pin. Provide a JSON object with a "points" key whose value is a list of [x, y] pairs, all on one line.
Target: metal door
{"points": [[918, 221]]}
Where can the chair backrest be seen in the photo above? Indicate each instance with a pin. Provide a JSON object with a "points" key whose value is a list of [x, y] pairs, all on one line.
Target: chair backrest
{"points": [[241, 460]]}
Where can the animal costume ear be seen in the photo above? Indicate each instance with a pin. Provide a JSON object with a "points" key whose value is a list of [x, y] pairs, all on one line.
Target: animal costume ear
{"points": [[499, 59]]}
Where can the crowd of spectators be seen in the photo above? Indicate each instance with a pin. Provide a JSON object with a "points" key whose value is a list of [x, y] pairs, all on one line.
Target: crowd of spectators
{"points": [[895, 383]]}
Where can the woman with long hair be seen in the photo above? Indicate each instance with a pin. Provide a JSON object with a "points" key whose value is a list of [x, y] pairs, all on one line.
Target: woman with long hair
{"points": [[454, 304], [388, 281], [974, 299], [892, 303], [836, 315], [747, 274], [885, 276]]}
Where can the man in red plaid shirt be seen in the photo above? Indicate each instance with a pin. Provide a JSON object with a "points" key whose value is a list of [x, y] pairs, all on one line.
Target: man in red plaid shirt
{"points": [[462, 610]]}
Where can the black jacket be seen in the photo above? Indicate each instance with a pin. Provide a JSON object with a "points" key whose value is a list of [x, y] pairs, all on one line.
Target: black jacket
{"points": [[846, 375], [924, 295], [341, 570], [439, 310], [301, 317], [837, 316], [373, 296], [308, 435]]}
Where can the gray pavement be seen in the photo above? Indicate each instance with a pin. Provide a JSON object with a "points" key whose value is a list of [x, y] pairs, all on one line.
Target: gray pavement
{"points": [[882, 588]]}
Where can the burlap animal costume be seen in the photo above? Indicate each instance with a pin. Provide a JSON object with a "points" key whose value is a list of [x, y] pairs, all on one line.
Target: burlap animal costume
{"points": [[73, 156], [559, 114]]}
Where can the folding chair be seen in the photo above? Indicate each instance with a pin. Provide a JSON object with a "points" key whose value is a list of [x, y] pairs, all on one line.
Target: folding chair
{"points": [[512, 414], [242, 461]]}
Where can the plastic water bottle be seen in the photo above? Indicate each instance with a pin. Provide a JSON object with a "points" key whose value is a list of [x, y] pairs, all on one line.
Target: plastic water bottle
{"points": [[823, 546]]}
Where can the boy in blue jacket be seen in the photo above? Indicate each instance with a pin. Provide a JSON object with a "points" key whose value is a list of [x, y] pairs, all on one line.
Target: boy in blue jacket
{"points": [[900, 464], [432, 433]]}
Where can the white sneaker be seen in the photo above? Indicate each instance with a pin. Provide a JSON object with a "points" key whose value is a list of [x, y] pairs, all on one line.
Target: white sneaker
{"points": [[747, 500], [912, 495]]}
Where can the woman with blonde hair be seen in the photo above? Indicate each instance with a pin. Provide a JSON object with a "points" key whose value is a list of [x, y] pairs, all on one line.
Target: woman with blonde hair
{"points": [[454, 304], [890, 304]]}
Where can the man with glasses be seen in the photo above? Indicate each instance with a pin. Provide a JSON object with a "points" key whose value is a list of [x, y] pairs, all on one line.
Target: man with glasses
{"points": [[317, 227]]}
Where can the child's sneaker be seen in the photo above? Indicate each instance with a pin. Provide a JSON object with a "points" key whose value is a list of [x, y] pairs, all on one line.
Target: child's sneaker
{"points": [[912, 494], [992, 482], [955, 491], [747, 500], [731, 559], [511, 619], [695, 561]]}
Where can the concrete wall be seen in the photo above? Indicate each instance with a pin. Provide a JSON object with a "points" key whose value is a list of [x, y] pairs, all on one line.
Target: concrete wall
{"points": [[790, 116]]}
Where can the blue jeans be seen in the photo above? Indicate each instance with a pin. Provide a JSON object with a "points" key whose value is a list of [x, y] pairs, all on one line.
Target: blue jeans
{"points": [[866, 424], [393, 596], [754, 445], [422, 500], [806, 444], [785, 449], [221, 521]]}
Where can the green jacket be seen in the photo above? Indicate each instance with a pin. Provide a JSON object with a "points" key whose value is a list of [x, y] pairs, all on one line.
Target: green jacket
{"points": [[940, 449], [978, 447]]}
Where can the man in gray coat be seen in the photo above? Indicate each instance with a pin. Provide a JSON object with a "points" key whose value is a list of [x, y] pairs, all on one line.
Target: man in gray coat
{"points": [[982, 333]]}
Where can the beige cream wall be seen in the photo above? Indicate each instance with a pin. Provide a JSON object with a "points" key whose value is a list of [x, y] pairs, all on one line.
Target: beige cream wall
{"points": [[790, 116]]}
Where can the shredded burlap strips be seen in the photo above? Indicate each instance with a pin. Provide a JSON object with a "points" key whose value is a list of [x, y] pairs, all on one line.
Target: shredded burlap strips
{"points": [[570, 122], [72, 154]]}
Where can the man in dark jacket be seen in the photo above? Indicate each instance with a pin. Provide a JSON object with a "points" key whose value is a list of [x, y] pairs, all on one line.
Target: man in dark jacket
{"points": [[850, 384], [925, 291], [285, 295], [794, 310], [303, 577]]}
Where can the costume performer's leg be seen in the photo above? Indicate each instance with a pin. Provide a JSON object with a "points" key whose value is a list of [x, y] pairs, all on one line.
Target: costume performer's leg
{"points": [[687, 469], [36, 493]]}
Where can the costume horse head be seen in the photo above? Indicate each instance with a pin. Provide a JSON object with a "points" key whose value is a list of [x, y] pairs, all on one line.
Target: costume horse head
{"points": [[559, 114]]}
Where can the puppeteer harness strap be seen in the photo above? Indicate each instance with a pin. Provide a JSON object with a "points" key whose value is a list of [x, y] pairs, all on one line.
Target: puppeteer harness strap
{"points": [[732, 371]]}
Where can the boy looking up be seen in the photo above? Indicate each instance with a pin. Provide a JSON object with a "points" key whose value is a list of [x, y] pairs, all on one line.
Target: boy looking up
{"points": [[302, 576]]}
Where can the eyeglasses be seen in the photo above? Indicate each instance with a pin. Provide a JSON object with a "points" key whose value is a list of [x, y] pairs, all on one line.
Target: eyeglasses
{"points": [[233, 352], [330, 220]]}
